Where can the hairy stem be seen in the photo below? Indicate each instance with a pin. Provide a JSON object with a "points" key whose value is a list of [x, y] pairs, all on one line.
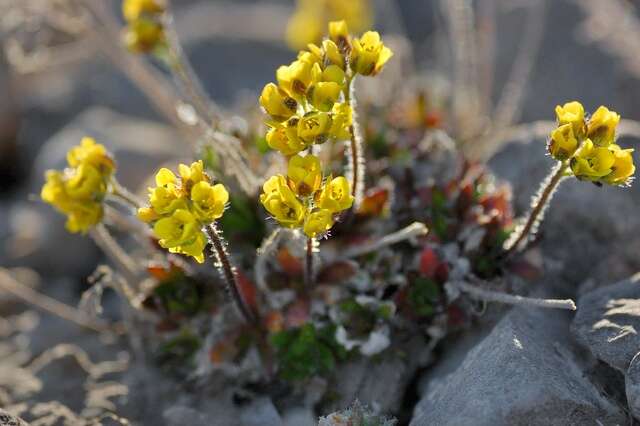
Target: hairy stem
{"points": [[355, 152], [124, 195], [228, 273], [308, 270], [493, 296], [539, 203]]}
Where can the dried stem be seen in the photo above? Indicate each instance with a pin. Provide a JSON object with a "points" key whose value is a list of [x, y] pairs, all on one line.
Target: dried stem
{"points": [[185, 75], [539, 203], [115, 253], [48, 304], [416, 229], [228, 273], [510, 299], [124, 195], [355, 152]]}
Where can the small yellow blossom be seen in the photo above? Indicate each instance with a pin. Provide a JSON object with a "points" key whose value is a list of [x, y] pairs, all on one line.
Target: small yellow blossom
{"points": [[623, 167], [92, 153], [134, 9], [318, 222], [369, 54], [86, 183], [563, 143], [280, 201], [285, 138], [304, 174], [572, 113], [181, 207], [339, 33], [143, 35], [209, 201], [592, 162], [181, 233], [332, 54], [336, 195], [295, 78], [333, 73], [314, 127], [324, 94], [277, 103], [79, 191], [190, 175], [602, 126]]}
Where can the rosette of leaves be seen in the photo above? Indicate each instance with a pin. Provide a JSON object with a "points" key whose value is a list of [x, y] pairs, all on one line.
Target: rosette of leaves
{"points": [[306, 351]]}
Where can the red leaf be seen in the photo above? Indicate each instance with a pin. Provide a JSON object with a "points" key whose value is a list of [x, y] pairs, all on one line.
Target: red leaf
{"points": [[289, 264], [428, 262], [375, 202], [337, 272]]}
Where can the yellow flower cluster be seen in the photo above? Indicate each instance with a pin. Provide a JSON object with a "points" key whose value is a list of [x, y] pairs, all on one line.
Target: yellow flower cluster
{"points": [[301, 200], [144, 27], [307, 23], [589, 145], [308, 105], [179, 207], [79, 190]]}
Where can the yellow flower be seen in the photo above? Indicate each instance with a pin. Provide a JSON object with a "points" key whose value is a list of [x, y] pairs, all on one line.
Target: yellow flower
{"points": [[190, 175], [54, 191], [278, 138], [304, 174], [143, 35], [134, 9], [277, 103], [563, 142], [369, 54], [314, 127], [336, 195], [623, 167], [572, 113], [333, 73], [332, 53], [83, 217], [165, 198], [339, 33], [181, 233], [592, 162], [342, 120], [86, 183], [602, 126], [295, 78], [92, 153], [147, 214], [318, 222], [209, 201], [324, 94], [282, 203]]}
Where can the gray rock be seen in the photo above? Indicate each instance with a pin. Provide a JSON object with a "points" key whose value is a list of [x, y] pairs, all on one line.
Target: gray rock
{"points": [[523, 373], [632, 386], [608, 320], [299, 416], [379, 383], [260, 412], [181, 416]]}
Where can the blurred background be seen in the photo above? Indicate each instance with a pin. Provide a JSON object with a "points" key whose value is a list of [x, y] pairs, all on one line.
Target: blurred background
{"points": [[57, 84]]}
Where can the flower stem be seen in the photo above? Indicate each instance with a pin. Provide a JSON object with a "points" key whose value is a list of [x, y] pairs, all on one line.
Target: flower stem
{"points": [[539, 203], [308, 270], [228, 273], [124, 195], [354, 151], [115, 253]]}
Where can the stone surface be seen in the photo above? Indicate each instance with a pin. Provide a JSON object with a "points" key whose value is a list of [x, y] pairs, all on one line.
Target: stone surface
{"points": [[8, 419], [523, 373], [632, 386], [260, 412], [608, 321]]}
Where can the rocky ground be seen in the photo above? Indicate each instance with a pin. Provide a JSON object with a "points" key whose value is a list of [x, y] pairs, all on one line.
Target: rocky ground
{"points": [[519, 366]]}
